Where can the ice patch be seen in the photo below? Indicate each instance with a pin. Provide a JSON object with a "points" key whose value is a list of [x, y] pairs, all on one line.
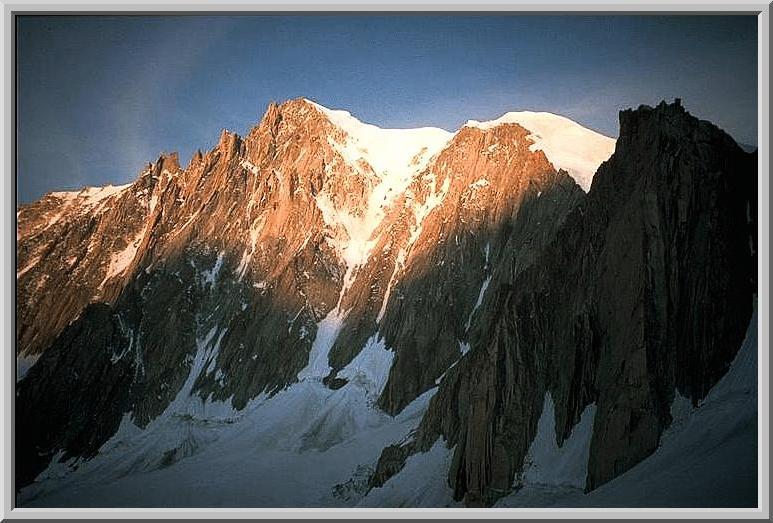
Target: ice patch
{"points": [[479, 183], [421, 211], [399, 264], [249, 166], [153, 202], [115, 358], [256, 227], [479, 300], [483, 288]]}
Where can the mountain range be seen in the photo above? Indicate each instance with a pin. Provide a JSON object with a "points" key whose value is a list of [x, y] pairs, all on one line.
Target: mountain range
{"points": [[327, 313]]}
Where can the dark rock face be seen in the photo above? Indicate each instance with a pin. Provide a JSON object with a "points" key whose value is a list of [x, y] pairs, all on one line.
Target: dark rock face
{"points": [[75, 410], [687, 228], [646, 289]]}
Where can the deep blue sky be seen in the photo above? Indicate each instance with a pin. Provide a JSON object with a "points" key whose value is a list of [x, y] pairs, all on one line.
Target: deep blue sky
{"points": [[98, 97]]}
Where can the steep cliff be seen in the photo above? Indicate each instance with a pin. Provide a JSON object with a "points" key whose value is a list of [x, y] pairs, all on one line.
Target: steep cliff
{"points": [[646, 290]]}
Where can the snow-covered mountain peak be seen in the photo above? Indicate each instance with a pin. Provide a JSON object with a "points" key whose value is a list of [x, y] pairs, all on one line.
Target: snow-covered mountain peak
{"points": [[396, 157], [390, 152], [567, 144], [397, 153]]}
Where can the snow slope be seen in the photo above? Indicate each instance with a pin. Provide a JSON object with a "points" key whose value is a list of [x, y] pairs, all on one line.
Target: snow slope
{"points": [[392, 153], [287, 451], [305, 446], [422, 483], [567, 144], [90, 196], [548, 464]]}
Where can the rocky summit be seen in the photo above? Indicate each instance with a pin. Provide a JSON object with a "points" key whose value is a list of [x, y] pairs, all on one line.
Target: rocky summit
{"points": [[327, 313]]}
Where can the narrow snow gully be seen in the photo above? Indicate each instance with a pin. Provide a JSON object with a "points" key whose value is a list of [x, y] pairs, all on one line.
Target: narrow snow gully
{"points": [[396, 156]]}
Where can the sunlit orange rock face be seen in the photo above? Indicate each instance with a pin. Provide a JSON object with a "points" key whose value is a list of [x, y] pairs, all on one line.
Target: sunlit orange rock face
{"points": [[470, 258], [243, 214]]}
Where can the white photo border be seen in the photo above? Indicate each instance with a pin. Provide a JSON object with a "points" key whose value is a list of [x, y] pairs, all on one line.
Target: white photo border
{"points": [[8, 219]]}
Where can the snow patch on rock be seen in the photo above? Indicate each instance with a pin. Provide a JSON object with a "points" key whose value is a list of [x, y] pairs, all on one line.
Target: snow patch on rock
{"points": [[120, 261], [34, 261], [327, 332], [548, 464], [89, 197], [210, 275]]}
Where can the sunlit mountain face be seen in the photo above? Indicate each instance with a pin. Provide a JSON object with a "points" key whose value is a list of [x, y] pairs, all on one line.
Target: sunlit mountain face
{"points": [[523, 312]]}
